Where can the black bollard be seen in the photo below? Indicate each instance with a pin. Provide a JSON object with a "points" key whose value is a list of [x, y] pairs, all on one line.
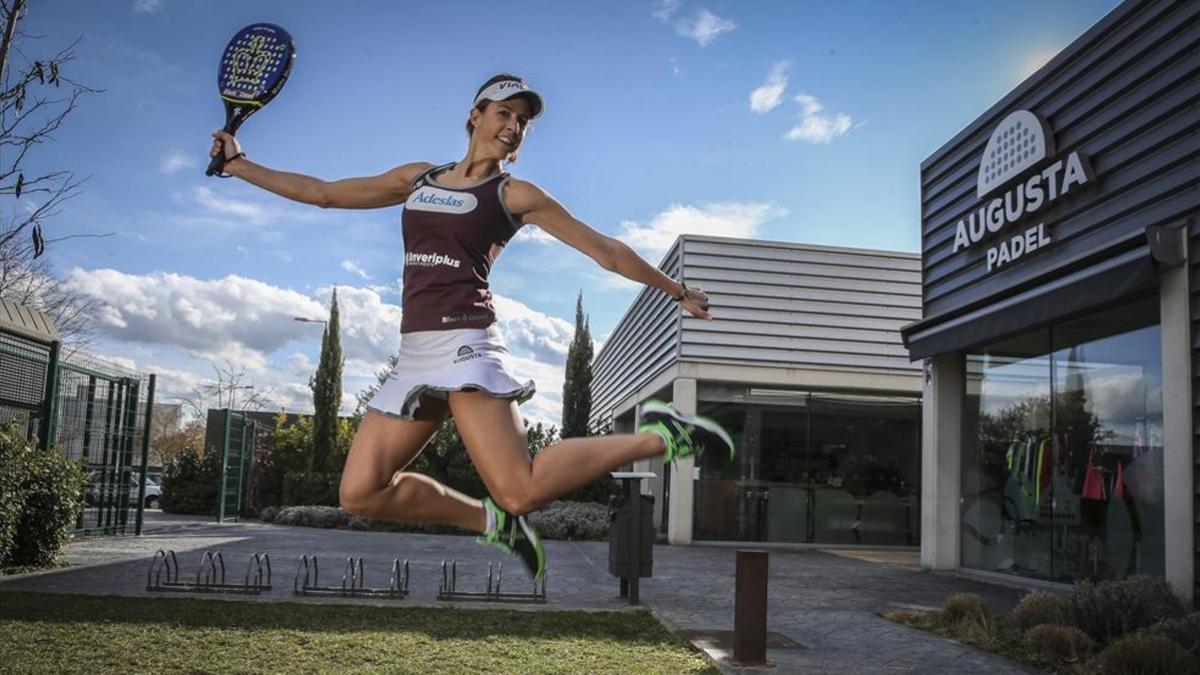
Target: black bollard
{"points": [[750, 609]]}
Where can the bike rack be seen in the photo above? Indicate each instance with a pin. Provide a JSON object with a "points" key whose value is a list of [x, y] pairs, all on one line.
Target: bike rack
{"points": [[449, 587], [210, 577], [307, 581]]}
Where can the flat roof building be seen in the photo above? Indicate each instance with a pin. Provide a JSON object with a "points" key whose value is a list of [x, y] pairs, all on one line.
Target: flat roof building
{"points": [[1058, 233], [803, 364]]}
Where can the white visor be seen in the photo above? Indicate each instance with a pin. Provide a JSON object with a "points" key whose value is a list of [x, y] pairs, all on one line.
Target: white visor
{"points": [[506, 89]]}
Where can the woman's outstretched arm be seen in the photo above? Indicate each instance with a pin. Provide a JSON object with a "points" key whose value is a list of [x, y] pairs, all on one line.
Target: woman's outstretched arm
{"points": [[370, 192], [532, 205]]}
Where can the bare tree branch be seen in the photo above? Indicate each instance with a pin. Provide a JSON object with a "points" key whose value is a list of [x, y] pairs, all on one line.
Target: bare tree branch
{"points": [[36, 97]]}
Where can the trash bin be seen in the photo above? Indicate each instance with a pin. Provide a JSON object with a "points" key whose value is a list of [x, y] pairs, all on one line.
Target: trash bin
{"points": [[621, 537]]}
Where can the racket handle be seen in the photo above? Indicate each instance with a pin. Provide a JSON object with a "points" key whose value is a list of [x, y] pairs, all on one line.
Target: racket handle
{"points": [[216, 166]]}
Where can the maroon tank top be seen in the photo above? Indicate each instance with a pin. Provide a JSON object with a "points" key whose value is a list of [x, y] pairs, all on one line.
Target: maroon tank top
{"points": [[452, 237]]}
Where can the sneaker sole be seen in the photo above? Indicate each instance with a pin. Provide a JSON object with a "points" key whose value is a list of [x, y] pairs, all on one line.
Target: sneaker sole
{"points": [[536, 541], [654, 411]]}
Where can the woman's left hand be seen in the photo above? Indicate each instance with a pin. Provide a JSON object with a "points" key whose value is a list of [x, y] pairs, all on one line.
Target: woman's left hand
{"points": [[695, 301]]}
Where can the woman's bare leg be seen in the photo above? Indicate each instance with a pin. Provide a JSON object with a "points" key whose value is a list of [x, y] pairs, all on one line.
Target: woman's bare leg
{"points": [[374, 483], [494, 434]]}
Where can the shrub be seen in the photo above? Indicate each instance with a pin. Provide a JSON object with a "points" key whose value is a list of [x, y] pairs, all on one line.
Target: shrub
{"points": [[1056, 642], [964, 608], [191, 483], [907, 617], [560, 520], [47, 492], [1185, 631], [1110, 609], [1146, 654], [1041, 607], [14, 453], [267, 514], [266, 484], [571, 520], [312, 516], [310, 488]]}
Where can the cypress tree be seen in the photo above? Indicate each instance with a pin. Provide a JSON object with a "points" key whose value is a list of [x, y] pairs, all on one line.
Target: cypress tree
{"points": [[327, 393], [577, 386]]}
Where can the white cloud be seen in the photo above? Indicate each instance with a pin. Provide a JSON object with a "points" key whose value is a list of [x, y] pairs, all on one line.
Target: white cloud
{"points": [[815, 127], [234, 318], [727, 219], [301, 364], [355, 268], [704, 27], [665, 9], [529, 332], [147, 6], [175, 160], [226, 206], [535, 234], [369, 327], [187, 325], [768, 96]]}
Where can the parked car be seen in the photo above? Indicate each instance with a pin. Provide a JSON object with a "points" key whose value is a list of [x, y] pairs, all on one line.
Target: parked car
{"points": [[98, 487]]}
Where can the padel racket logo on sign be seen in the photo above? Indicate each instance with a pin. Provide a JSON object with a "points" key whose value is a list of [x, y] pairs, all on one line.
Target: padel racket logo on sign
{"points": [[1020, 140], [254, 67], [1017, 157]]}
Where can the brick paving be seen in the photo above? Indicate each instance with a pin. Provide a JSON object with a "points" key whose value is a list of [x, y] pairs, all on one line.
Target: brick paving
{"points": [[823, 607]]}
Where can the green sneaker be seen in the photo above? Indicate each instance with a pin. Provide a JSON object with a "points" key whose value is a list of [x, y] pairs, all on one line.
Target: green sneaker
{"points": [[684, 435], [515, 536]]}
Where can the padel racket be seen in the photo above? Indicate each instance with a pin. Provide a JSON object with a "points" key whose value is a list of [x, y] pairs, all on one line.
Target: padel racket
{"points": [[253, 68]]}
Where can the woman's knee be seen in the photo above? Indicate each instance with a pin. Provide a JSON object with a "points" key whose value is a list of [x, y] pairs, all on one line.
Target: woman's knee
{"points": [[517, 500], [357, 500]]}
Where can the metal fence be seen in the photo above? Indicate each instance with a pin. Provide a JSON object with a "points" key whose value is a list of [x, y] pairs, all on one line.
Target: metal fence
{"points": [[101, 417], [93, 410], [243, 440], [25, 366]]}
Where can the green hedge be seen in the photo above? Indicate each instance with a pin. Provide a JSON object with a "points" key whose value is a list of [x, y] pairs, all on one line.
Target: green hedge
{"points": [[191, 483], [311, 488], [559, 520], [41, 500]]}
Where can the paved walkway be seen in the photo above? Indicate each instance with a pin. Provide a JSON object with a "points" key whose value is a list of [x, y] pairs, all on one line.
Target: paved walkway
{"points": [[822, 608]]}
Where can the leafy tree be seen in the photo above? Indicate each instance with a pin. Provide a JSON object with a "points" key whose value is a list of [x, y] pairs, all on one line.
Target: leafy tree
{"points": [[327, 393], [577, 386], [171, 443]]}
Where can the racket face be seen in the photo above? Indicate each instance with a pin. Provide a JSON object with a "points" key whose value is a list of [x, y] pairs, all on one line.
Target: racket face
{"points": [[255, 65]]}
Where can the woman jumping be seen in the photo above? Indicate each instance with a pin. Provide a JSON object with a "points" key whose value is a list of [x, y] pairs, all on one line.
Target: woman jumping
{"points": [[453, 361]]}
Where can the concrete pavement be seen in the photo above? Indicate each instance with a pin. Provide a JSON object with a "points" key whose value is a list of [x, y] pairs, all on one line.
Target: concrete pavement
{"points": [[823, 608]]}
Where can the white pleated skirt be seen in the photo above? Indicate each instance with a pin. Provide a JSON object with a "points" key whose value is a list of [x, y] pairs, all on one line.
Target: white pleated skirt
{"points": [[434, 363]]}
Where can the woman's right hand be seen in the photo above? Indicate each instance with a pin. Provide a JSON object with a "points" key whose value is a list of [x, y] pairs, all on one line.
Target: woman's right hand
{"points": [[224, 143]]}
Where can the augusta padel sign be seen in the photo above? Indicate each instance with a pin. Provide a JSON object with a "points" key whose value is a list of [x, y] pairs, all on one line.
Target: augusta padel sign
{"points": [[1019, 176]]}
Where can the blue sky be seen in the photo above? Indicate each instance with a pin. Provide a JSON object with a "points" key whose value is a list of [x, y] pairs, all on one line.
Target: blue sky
{"points": [[793, 121]]}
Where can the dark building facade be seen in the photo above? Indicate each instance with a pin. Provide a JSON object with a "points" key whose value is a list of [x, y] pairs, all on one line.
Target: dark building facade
{"points": [[1060, 287]]}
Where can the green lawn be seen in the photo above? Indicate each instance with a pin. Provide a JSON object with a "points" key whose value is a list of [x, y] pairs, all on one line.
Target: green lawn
{"points": [[50, 633]]}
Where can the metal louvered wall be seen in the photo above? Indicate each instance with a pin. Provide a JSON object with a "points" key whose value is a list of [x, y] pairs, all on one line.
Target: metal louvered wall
{"points": [[792, 305], [775, 304], [640, 348], [1125, 94]]}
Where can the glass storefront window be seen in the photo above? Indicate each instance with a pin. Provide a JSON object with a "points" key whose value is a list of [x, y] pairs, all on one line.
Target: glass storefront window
{"points": [[1062, 460], [811, 467]]}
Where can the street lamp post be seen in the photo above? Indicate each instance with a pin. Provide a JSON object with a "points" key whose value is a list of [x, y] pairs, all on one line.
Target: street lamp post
{"points": [[303, 319], [232, 392]]}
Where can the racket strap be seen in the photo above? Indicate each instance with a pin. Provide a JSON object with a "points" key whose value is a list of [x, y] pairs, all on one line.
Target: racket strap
{"points": [[225, 174]]}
